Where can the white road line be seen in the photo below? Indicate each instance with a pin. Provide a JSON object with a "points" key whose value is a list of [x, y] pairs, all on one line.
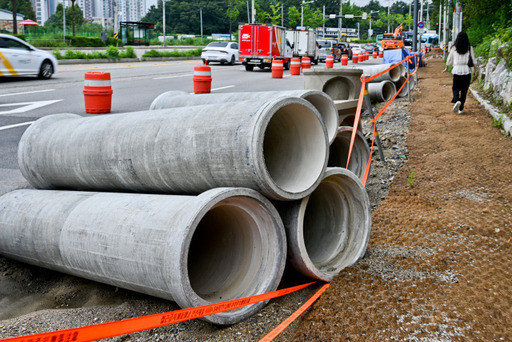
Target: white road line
{"points": [[226, 87], [23, 107], [220, 88], [16, 125], [175, 76], [28, 92]]}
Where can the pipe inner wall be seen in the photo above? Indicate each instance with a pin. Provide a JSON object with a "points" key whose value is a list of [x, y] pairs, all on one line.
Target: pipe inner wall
{"points": [[224, 244], [278, 147]]}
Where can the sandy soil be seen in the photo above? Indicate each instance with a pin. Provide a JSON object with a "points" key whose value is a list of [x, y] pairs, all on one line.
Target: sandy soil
{"points": [[439, 262], [438, 265]]}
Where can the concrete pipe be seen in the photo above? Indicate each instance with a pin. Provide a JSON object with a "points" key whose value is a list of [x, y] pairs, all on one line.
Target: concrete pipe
{"points": [[338, 154], [404, 92], [278, 148], [328, 230], [403, 70], [226, 243], [340, 84], [382, 91], [370, 70], [349, 120], [320, 100]]}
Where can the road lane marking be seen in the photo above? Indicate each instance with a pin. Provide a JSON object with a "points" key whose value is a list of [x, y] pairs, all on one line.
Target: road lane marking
{"points": [[28, 92], [16, 125], [226, 87], [26, 106], [175, 76]]}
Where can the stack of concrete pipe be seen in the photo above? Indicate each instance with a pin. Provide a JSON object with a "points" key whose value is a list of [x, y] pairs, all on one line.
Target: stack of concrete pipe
{"points": [[180, 203]]}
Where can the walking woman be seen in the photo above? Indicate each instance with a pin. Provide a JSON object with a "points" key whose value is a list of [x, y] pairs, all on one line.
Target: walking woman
{"points": [[459, 56]]}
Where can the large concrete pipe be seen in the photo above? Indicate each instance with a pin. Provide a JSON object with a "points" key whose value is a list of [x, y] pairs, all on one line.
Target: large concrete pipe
{"points": [[370, 70], [404, 92], [382, 91], [320, 100], [328, 230], [338, 154], [339, 83], [278, 148], [226, 243]]}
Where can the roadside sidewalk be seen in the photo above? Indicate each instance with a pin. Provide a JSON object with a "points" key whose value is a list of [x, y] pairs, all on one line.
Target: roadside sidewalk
{"points": [[439, 262]]}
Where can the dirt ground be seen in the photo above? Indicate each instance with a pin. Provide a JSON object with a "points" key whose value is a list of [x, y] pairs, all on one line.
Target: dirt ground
{"points": [[438, 266], [445, 239]]}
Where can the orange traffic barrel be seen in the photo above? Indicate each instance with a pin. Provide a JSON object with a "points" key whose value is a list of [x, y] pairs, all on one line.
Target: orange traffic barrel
{"points": [[306, 63], [202, 79], [329, 62], [374, 54], [277, 68], [344, 60], [355, 58], [97, 92], [380, 54], [295, 66]]}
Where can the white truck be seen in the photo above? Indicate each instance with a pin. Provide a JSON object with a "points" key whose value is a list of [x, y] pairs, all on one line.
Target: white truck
{"points": [[304, 44]]}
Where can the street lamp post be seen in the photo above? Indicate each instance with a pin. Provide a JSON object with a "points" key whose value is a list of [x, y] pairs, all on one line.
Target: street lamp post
{"points": [[302, 11], [163, 15], [64, 20]]}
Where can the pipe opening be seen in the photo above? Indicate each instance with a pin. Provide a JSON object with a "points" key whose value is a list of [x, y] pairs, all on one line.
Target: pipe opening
{"points": [[339, 88], [326, 225], [223, 252], [328, 112], [338, 152], [388, 90], [294, 148]]}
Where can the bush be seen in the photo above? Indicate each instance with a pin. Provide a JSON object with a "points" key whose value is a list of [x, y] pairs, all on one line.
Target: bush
{"points": [[175, 53], [79, 41], [128, 53], [112, 52]]}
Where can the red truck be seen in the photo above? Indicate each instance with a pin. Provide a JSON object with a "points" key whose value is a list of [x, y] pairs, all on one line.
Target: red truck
{"points": [[260, 43]]}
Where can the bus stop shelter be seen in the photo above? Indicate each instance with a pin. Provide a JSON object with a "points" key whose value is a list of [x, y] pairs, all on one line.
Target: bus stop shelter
{"points": [[136, 33]]}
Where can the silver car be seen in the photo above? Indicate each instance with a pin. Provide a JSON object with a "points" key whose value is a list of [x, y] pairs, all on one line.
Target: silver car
{"points": [[20, 58]]}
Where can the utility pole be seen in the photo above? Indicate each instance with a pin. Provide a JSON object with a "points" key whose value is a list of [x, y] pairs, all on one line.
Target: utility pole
{"points": [[282, 16], [14, 17], [64, 20], [389, 2], [163, 16], [340, 21], [415, 28], [201, 16], [253, 12]]}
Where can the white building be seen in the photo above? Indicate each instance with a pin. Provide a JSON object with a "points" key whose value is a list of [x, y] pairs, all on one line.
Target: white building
{"points": [[44, 9], [6, 21]]}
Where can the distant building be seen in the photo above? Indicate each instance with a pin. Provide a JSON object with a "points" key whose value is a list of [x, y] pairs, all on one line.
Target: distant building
{"points": [[6, 21], [44, 9], [131, 10]]}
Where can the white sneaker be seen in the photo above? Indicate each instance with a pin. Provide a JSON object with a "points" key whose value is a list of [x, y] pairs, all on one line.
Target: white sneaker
{"points": [[456, 106], [461, 112]]}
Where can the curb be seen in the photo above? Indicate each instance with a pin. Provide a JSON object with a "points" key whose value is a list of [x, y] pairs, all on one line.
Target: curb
{"points": [[507, 122], [123, 60]]}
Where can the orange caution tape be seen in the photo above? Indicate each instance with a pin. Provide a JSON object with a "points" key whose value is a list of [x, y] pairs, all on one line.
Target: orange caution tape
{"points": [[131, 325], [374, 120], [280, 328]]}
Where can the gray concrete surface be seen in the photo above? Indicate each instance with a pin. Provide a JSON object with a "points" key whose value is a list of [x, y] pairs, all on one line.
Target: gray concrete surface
{"points": [[319, 100], [338, 151], [224, 244], [328, 230], [382, 91], [279, 148]]}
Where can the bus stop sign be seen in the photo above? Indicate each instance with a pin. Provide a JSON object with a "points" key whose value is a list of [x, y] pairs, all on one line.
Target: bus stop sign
{"points": [[420, 24]]}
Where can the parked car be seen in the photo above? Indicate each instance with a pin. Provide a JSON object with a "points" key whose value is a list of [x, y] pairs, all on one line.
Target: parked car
{"points": [[223, 52], [371, 47], [356, 48], [329, 48], [18, 57], [345, 49]]}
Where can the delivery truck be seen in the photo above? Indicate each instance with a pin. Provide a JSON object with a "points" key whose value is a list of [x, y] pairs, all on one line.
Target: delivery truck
{"points": [[259, 44], [304, 44]]}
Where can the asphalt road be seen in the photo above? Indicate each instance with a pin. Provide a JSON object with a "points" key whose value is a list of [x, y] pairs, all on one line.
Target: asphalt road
{"points": [[135, 85]]}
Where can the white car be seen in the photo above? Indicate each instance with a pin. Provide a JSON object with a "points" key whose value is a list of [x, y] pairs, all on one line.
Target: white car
{"points": [[20, 58], [356, 49], [223, 52]]}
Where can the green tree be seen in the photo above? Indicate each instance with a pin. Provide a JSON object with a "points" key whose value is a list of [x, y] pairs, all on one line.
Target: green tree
{"points": [[74, 16], [23, 7], [275, 16], [293, 16], [233, 12]]}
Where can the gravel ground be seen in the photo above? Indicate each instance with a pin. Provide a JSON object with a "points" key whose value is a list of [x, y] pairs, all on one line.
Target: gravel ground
{"points": [[36, 300], [408, 285]]}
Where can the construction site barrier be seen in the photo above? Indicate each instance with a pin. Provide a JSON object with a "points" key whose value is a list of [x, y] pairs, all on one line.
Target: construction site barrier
{"points": [[97, 92], [202, 79], [329, 62], [306, 63], [295, 66], [277, 68]]}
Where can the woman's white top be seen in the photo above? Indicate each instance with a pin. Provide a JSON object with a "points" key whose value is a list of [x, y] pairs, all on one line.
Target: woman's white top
{"points": [[460, 62]]}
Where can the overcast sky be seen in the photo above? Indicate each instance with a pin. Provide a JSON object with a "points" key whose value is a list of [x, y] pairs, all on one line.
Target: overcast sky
{"points": [[356, 2]]}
